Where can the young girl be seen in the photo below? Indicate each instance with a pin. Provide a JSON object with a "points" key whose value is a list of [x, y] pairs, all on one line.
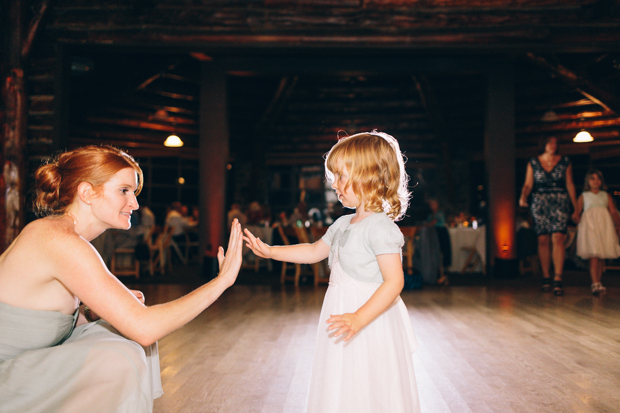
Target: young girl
{"points": [[596, 237], [363, 352]]}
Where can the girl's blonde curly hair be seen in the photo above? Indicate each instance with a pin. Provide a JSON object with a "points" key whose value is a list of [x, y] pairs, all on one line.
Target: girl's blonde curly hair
{"points": [[376, 171]]}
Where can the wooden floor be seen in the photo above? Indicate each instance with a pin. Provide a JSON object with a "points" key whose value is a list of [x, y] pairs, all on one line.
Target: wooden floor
{"points": [[503, 347]]}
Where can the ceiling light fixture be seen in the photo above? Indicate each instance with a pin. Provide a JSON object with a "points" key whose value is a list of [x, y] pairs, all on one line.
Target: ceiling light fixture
{"points": [[173, 141], [550, 116], [583, 136], [160, 114]]}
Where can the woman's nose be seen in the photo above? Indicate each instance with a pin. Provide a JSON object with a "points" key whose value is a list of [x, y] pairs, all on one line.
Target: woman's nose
{"points": [[134, 203]]}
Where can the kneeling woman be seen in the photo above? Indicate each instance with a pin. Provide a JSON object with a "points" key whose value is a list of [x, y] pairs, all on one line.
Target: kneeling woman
{"points": [[52, 356]]}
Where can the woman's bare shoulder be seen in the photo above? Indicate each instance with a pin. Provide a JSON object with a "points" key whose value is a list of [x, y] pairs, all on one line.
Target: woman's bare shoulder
{"points": [[49, 224], [48, 231]]}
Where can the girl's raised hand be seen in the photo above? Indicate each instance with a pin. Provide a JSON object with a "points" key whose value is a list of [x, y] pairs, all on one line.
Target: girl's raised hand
{"points": [[230, 264], [257, 246], [348, 323]]}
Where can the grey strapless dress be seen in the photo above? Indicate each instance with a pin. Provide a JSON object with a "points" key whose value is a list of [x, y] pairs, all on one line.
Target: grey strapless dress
{"points": [[48, 365]]}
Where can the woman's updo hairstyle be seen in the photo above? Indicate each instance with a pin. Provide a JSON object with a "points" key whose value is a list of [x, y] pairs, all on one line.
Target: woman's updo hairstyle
{"points": [[56, 182]]}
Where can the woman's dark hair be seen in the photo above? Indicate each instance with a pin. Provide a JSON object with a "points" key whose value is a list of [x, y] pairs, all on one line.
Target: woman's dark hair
{"points": [[542, 143], [57, 181]]}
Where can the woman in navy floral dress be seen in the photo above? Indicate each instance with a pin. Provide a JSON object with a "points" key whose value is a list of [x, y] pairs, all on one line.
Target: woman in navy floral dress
{"points": [[549, 179]]}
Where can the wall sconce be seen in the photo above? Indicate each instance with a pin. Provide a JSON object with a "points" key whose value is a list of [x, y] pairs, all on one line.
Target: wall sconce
{"points": [[173, 141], [583, 136]]}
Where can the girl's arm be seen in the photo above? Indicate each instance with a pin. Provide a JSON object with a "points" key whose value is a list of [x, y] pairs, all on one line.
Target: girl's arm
{"points": [[82, 272], [578, 210], [527, 186], [393, 283], [570, 186], [614, 213], [299, 253]]}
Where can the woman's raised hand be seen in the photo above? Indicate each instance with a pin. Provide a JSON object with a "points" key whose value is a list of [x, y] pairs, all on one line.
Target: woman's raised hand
{"points": [[230, 264], [257, 246]]}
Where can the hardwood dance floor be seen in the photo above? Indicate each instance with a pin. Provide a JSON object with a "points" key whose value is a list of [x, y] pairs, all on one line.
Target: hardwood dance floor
{"points": [[504, 347]]}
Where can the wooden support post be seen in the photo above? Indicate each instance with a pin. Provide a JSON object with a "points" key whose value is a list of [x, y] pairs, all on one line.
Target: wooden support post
{"points": [[13, 133], [214, 158], [499, 148]]}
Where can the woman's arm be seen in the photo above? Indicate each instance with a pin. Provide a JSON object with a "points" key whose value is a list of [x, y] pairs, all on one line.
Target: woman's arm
{"points": [[527, 186], [89, 279], [84, 318], [570, 186], [393, 283], [298, 253]]}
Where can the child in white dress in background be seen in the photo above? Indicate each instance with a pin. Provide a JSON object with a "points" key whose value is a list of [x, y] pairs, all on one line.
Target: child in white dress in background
{"points": [[363, 357], [599, 227]]}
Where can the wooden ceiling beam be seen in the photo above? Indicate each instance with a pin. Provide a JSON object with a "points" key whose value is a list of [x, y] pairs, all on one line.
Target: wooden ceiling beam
{"points": [[149, 116], [600, 96], [116, 135], [32, 28], [563, 117], [279, 100], [402, 14], [495, 39], [571, 126], [439, 124], [138, 124]]}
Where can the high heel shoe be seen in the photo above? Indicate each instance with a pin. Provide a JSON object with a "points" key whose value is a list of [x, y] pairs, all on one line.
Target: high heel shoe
{"points": [[557, 288], [597, 289], [546, 285]]}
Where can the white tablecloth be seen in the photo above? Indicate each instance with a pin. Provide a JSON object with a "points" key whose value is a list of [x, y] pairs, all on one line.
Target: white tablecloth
{"points": [[467, 237]]}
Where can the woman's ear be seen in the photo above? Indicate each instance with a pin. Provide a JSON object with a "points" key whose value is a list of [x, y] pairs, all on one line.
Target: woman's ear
{"points": [[86, 192]]}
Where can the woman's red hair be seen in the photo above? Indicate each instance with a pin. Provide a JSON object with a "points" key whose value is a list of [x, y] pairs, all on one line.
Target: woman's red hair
{"points": [[56, 182]]}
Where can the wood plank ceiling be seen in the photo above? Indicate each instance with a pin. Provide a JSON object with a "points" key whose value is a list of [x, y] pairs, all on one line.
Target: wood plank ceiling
{"points": [[136, 71]]}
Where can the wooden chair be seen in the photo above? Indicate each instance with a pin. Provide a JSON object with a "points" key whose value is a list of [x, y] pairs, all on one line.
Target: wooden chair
{"points": [[183, 248], [285, 232], [124, 262], [323, 268], [189, 244], [607, 265], [304, 238], [409, 233], [159, 251], [529, 264], [473, 259]]}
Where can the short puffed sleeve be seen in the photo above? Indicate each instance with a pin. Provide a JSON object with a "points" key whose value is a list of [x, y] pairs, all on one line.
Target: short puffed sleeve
{"points": [[386, 237]]}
